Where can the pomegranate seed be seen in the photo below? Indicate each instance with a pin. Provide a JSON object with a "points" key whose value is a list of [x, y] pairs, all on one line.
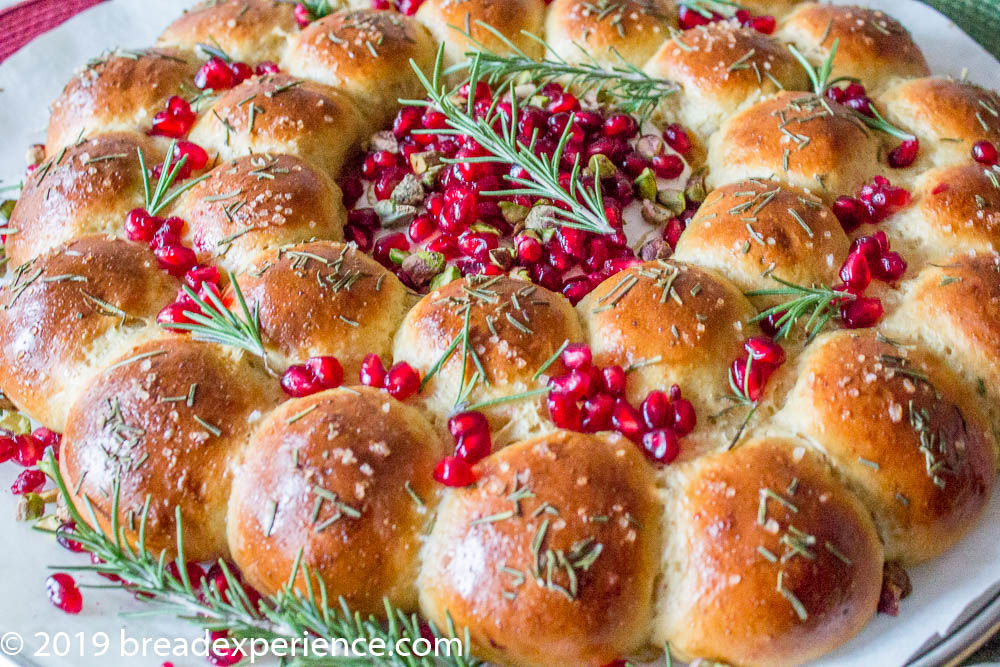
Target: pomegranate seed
{"points": [[302, 15], [241, 72], [387, 182], [196, 156], [627, 420], [861, 313], [677, 138], [597, 413], [195, 573], [402, 381], [29, 450], [266, 67], [175, 259], [689, 18], [850, 213], [174, 314], [577, 356], [869, 247], [577, 288], [473, 447], [890, 267], [175, 121], [465, 423], [563, 103], [297, 382], [326, 371], [8, 448], [564, 411], [661, 445], [140, 225], [856, 273], [225, 657], [46, 438], [668, 166], [199, 275], [620, 125], [28, 481], [985, 152], [64, 593], [614, 379], [454, 472], [407, 120], [763, 24], [904, 154], [214, 74], [656, 410], [750, 382], [63, 533], [764, 349], [385, 245]]}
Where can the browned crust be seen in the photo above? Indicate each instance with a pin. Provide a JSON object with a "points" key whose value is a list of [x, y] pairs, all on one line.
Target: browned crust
{"points": [[256, 203], [792, 236], [600, 491], [86, 189], [163, 449], [730, 608], [119, 91], [247, 30], [896, 425], [54, 314], [450, 21], [372, 452], [632, 28], [326, 298]]}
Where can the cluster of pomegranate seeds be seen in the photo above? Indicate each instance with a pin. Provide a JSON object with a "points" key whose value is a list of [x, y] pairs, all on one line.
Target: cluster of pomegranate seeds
{"points": [[202, 280], [316, 375], [164, 238], [875, 202], [984, 152], [175, 121], [401, 381], [449, 216], [471, 433], [64, 537], [27, 451], [589, 399], [751, 372], [692, 18], [307, 12], [64, 593], [869, 258], [197, 159], [218, 74], [853, 96]]}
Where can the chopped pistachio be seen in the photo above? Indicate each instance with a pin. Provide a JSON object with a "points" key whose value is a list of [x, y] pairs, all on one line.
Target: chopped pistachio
{"points": [[393, 215]]}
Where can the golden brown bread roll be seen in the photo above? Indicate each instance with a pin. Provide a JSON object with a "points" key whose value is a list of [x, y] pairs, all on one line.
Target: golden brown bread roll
{"points": [[947, 116], [169, 421], [673, 323], [956, 210], [953, 308], [325, 298], [798, 139], [769, 560], [345, 477], [365, 54], [550, 558], [120, 91], [514, 328], [629, 31], [449, 22], [279, 113], [255, 203], [755, 229], [71, 312], [87, 189], [902, 433], [872, 47], [246, 30], [722, 68]]}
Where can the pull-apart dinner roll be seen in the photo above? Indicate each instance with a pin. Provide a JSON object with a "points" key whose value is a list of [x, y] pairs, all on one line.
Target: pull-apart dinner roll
{"points": [[872, 46], [956, 210], [769, 560], [345, 477], [613, 33], [550, 558], [755, 229], [279, 113], [722, 68], [87, 189], [120, 91], [669, 323], [451, 21], [323, 298], [71, 312], [948, 116], [366, 55], [798, 139], [252, 204], [169, 421], [246, 30], [902, 432], [514, 328], [953, 308]]}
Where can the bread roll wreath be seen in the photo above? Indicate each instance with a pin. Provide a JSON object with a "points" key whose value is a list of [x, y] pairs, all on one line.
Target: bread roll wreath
{"points": [[578, 328]]}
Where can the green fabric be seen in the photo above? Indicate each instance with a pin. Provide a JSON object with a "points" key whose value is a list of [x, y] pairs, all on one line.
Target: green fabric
{"points": [[979, 18]]}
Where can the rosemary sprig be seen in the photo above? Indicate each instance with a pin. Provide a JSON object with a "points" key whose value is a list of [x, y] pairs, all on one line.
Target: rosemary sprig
{"points": [[289, 614], [159, 197], [632, 90], [821, 82], [706, 7], [584, 204], [821, 303], [741, 397], [217, 324]]}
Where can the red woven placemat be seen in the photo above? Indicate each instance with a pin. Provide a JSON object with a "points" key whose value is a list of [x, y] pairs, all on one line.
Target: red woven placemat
{"points": [[29, 19]]}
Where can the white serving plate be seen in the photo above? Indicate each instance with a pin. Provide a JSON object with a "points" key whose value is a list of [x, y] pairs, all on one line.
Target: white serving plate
{"points": [[956, 599]]}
